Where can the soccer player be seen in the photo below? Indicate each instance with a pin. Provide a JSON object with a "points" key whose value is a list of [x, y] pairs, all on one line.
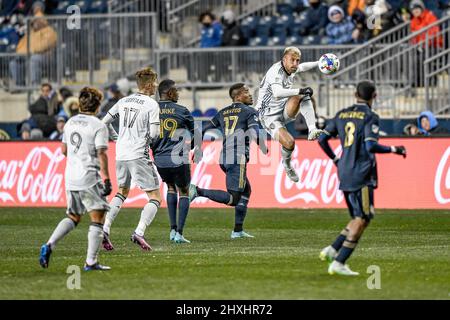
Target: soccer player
{"points": [[84, 143], [279, 104], [357, 127], [239, 125], [171, 156], [138, 128]]}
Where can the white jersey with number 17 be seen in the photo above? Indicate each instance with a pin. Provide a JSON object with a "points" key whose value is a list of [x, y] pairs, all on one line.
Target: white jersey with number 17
{"points": [[136, 113], [84, 135]]}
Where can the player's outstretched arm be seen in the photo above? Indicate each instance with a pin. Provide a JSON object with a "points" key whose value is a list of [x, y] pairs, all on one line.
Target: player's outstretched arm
{"points": [[374, 147], [325, 146], [306, 66]]}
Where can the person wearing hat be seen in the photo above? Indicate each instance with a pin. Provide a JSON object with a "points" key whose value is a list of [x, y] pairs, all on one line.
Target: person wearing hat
{"points": [[340, 28], [58, 133]]}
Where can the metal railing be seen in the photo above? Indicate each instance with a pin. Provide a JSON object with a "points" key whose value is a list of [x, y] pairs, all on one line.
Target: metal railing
{"points": [[183, 16], [412, 76], [101, 49]]}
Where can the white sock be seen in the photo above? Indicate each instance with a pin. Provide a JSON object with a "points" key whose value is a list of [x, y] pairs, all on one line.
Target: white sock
{"points": [[286, 155], [307, 110], [115, 205], [95, 238], [147, 216], [62, 229]]}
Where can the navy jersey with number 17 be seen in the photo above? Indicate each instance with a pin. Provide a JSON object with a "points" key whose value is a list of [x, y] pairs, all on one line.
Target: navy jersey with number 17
{"points": [[354, 126]]}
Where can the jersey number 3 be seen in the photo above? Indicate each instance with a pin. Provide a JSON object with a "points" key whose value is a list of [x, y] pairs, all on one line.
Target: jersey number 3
{"points": [[349, 134]]}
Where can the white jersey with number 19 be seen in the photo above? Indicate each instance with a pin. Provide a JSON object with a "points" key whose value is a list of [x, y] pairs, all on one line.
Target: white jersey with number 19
{"points": [[137, 114], [83, 135]]}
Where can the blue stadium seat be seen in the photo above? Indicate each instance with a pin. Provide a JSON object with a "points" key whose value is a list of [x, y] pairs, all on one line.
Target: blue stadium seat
{"points": [[250, 21], [311, 40], [293, 40], [247, 31], [284, 9], [279, 31], [258, 41], [62, 7], [197, 113], [264, 26], [276, 41], [98, 6], [284, 20], [294, 29], [211, 112]]}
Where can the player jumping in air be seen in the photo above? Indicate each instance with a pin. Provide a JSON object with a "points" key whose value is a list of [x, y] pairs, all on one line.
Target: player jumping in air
{"points": [[171, 155], [279, 104], [138, 128], [85, 141], [239, 125], [357, 128]]}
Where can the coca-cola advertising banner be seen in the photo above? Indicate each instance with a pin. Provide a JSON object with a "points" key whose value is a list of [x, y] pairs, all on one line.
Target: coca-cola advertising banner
{"points": [[32, 174]]}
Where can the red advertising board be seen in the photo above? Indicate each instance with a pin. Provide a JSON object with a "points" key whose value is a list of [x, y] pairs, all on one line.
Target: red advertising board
{"points": [[32, 174]]}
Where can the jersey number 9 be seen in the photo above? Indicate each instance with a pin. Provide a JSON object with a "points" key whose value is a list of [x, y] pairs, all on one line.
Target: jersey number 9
{"points": [[75, 140]]}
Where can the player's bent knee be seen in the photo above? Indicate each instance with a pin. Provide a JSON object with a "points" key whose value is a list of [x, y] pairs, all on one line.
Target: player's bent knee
{"points": [[236, 196], [183, 191], [124, 191], [74, 217]]}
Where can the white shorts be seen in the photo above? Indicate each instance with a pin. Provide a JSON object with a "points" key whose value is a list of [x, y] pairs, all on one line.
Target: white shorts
{"points": [[273, 119], [83, 201], [140, 170]]}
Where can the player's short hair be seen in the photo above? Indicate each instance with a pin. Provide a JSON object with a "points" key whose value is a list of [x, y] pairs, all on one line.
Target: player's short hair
{"points": [[90, 99], [206, 13], [366, 90], [235, 89], [145, 76], [164, 86], [48, 85], [292, 50]]}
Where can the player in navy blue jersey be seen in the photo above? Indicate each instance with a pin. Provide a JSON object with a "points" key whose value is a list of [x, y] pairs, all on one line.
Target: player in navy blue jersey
{"points": [[357, 127], [171, 156], [239, 125]]}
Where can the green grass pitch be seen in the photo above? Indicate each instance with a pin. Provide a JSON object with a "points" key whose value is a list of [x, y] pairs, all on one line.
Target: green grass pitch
{"points": [[411, 248]]}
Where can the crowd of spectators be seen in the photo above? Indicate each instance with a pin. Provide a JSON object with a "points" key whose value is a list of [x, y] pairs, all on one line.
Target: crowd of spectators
{"points": [[320, 22]]}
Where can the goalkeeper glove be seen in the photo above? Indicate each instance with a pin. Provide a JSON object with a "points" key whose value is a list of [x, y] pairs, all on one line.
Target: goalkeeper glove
{"points": [[306, 91]]}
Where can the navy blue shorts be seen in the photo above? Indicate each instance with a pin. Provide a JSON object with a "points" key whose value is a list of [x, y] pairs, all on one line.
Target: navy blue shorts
{"points": [[360, 203], [179, 176], [236, 176]]}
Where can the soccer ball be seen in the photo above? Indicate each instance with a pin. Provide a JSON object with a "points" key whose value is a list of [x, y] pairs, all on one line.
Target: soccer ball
{"points": [[329, 63]]}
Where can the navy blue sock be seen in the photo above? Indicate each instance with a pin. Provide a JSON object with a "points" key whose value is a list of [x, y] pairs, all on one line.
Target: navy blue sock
{"points": [[346, 251], [183, 210], [215, 195], [172, 202], [337, 244], [240, 211]]}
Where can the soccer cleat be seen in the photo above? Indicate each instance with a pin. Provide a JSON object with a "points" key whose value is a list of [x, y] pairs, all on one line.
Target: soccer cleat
{"points": [[328, 254], [240, 234], [180, 239], [341, 269], [314, 134], [44, 257], [107, 244], [141, 242], [96, 266], [173, 232], [290, 172], [192, 192]]}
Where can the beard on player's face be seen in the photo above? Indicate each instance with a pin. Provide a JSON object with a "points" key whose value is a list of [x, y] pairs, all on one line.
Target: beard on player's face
{"points": [[291, 62]]}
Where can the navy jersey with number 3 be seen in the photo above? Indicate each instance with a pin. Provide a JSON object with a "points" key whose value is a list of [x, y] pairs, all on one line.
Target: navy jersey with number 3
{"points": [[354, 126]]}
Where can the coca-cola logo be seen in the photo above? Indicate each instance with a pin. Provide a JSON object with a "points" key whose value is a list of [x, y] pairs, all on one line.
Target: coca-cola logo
{"points": [[315, 174], [36, 179], [442, 179]]}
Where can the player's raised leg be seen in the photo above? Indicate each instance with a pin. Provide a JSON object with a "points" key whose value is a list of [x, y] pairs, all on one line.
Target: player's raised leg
{"points": [[304, 105], [62, 229], [115, 206], [172, 203], [287, 148]]}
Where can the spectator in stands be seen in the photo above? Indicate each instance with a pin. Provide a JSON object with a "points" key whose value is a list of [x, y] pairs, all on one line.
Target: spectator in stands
{"points": [[339, 31], [211, 35], [71, 107], [232, 35], [58, 133], [428, 124], [438, 7], [411, 130], [421, 18], [112, 97], [355, 5], [43, 39], [316, 19]]}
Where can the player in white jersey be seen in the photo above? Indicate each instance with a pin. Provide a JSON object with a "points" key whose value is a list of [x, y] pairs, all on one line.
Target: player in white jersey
{"points": [[279, 104], [139, 124], [85, 142]]}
